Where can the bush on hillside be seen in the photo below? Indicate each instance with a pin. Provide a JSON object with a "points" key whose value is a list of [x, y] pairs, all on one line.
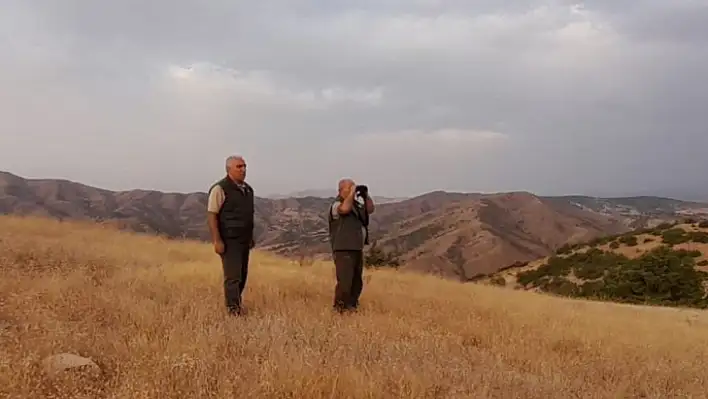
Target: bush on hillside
{"points": [[663, 276], [699, 237], [657, 230], [665, 226], [675, 236], [376, 257], [601, 241], [593, 264], [566, 249], [559, 286], [703, 224], [498, 280], [591, 289], [614, 245], [628, 240]]}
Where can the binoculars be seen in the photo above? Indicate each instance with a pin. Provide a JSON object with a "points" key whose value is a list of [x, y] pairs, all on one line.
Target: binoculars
{"points": [[362, 190]]}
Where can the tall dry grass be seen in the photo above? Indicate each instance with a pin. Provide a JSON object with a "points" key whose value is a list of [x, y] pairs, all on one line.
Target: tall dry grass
{"points": [[150, 312]]}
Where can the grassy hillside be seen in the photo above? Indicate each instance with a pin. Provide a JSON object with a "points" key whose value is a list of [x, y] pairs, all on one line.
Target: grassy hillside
{"points": [[666, 265], [149, 312]]}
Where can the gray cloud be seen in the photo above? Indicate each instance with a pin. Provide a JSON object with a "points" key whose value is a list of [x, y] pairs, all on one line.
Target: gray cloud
{"points": [[408, 96]]}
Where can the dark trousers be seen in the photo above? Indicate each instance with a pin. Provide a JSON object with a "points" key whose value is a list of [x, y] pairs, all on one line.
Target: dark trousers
{"points": [[234, 261], [349, 267]]}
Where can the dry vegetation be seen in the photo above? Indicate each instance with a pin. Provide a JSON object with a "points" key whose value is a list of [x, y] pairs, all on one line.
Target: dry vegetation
{"points": [[149, 312]]}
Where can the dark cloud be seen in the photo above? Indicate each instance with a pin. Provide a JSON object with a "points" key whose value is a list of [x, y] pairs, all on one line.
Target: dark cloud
{"points": [[548, 96]]}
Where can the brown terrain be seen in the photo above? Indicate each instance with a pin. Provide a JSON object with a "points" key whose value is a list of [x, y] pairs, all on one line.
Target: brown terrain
{"points": [[90, 312], [465, 236], [450, 234]]}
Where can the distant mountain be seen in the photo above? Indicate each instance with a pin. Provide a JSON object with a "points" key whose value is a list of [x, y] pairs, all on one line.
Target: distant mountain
{"points": [[322, 193], [456, 235], [638, 211]]}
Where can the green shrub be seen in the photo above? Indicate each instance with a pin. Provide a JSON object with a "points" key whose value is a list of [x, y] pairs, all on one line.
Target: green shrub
{"points": [[601, 241], [699, 236], [663, 276], [589, 271], [665, 226], [555, 267], [376, 257], [592, 289], [498, 280], [675, 236], [565, 249], [629, 240], [560, 286], [704, 262], [529, 277], [648, 239], [703, 224], [690, 253], [593, 264], [614, 245]]}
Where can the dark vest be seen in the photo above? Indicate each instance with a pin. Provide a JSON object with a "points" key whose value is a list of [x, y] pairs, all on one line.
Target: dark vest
{"points": [[346, 232], [236, 217]]}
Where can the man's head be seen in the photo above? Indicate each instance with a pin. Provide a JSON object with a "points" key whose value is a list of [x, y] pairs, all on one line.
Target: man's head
{"points": [[236, 168], [345, 187]]}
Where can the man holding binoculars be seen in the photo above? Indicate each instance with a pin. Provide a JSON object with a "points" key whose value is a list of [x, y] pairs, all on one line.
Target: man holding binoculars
{"points": [[348, 234]]}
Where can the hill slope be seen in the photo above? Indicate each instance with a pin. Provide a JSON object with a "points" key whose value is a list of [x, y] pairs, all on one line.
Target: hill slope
{"points": [[666, 265], [478, 234], [152, 319], [451, 234]]}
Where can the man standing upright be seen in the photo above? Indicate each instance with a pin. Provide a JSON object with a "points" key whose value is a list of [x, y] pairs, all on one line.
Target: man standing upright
{"points": [[348, 234], [230, 210]]}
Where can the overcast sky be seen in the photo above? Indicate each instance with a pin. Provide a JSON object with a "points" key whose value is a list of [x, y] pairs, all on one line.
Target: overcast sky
{"points": [[607, 97]]}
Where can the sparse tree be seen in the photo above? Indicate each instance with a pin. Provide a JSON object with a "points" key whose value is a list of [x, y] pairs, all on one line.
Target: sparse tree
{"points": [[377, 257]]}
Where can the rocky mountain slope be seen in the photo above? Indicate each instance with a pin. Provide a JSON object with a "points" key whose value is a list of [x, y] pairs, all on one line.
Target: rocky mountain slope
{"points": [[451, 234]]}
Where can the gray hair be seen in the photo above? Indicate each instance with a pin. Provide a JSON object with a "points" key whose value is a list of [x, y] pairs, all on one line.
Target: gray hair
{"points": [[231, 158]]}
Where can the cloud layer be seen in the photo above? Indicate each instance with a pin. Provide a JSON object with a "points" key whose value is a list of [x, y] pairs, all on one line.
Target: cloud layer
{"points": [[407, 96]]}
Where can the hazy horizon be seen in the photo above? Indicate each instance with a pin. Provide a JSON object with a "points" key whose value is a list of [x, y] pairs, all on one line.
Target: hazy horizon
{"points": [[695, 195], [548, 96]]}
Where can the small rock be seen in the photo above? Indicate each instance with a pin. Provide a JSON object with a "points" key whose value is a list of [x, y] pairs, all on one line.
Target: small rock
{"points": [[56, 364]]}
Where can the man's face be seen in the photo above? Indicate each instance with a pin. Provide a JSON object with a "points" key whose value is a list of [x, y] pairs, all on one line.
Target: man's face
{"points": [[237, 170], [347, 187]]}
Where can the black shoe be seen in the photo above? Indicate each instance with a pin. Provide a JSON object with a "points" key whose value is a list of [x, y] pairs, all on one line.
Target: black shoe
{"points": [[234, 311]]}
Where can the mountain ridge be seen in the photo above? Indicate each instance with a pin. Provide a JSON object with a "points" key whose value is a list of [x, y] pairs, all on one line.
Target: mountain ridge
{"points": [[457, 235]]}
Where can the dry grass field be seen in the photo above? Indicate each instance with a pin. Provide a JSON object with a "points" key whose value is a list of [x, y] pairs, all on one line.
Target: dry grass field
{"points": [[150, 313]]}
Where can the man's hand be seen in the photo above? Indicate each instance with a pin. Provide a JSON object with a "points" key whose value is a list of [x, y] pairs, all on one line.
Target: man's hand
{"points": [[369, 204], [348, 203], [213, 223], [219, 247]]}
